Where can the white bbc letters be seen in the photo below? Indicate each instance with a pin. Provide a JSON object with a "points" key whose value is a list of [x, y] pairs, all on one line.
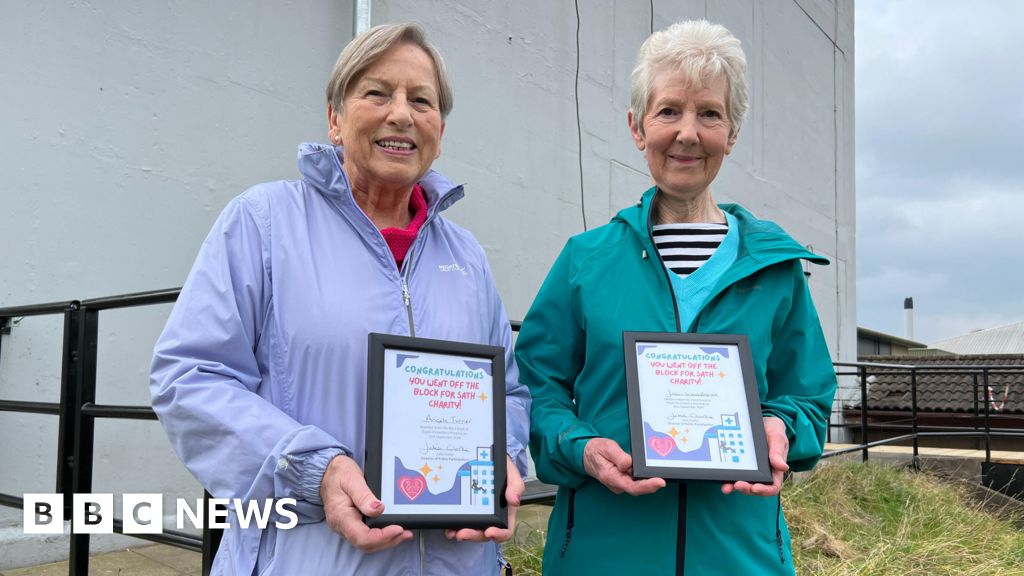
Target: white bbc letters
{"points": [[43, 513], [92, 513], [142, 513], [217, 512], [284, 512]]}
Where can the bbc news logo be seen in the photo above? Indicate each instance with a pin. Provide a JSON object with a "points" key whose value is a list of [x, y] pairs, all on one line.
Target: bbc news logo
{"points": [[143, 513]]}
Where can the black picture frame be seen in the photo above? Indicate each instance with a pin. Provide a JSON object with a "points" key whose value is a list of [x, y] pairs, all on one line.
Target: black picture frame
{"points": [[665, 460], [399, 499]]}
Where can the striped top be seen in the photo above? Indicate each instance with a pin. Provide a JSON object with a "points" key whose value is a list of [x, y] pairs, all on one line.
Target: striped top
{"points": [[685, 247]]}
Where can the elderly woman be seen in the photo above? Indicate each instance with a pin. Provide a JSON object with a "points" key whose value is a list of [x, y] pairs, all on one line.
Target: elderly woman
{"points": [[674, 262], [259, 377]]}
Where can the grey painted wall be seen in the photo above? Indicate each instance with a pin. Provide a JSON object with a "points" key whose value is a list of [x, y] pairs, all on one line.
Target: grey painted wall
{"points": [[127, 127]]}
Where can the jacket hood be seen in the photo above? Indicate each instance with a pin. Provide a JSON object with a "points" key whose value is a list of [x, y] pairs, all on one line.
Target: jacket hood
{"points": [[761, 240], [321, 166]]}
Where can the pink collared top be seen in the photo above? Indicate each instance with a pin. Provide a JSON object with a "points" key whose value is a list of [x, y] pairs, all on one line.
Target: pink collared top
{"points": [[399, 239]]}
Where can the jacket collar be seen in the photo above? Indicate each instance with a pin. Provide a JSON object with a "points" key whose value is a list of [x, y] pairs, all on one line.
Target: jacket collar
{"points": [[321, 166], [762, 242]]}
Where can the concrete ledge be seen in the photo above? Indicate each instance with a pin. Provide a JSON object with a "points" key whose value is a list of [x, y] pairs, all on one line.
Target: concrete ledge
{"points": [[18, 549]]}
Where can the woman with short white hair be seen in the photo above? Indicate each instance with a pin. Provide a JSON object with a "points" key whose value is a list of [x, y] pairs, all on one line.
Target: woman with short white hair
{"points": [[674, 262]]}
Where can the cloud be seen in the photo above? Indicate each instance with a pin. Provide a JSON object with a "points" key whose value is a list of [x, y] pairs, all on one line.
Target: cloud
{"points": [[940, 194], [938, 88], [958, 253]]}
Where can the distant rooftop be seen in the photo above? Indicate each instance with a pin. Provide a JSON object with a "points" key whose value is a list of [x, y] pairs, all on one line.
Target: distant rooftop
{"points": [[875, 334], [946, 391], [1007, 339]]}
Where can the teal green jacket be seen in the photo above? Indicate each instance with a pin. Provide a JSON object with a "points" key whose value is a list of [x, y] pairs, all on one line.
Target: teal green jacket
{"points": [[610, 280]]}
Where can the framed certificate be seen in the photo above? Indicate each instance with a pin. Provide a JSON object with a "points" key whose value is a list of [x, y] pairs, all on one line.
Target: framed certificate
{"points": [[694, 408], [435, 432]]}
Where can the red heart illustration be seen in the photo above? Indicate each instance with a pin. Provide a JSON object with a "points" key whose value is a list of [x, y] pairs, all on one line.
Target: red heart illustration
{"points": [[661, 444], [412, 486]]}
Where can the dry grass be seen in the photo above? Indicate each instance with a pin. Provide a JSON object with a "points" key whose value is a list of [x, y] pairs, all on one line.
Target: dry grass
{"points": [[869, 520], [526, 552], [848, 518]]}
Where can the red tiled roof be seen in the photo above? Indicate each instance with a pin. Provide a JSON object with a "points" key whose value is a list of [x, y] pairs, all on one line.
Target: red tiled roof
{"points": [[948, 391]]}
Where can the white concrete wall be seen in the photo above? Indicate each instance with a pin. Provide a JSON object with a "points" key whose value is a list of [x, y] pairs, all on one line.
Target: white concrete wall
{"points": [[127, 126]]}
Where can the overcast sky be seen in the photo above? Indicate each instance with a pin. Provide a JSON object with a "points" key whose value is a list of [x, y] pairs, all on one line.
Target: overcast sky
{"points": [[940, 164]]}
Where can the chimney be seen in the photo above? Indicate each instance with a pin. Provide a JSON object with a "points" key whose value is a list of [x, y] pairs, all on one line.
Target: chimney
{"points": [[908, 318]]}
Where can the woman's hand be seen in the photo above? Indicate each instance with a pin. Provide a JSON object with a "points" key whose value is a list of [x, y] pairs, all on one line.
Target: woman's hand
{"points": [[606, 461], [778, 451], [346, 499], [513, 494]]}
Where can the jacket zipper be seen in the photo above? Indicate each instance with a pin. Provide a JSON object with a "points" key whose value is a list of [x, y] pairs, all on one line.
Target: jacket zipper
{"points": [[664, 269], [504, 566], [681, 532], [423, 553], [407, 299], [681, 540], [681, 528], [407, 265], [570, 521], [778, 529]]}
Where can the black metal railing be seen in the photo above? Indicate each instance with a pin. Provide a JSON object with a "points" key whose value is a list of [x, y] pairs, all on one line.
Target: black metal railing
{"points": [[77, 412], [981, 415]]}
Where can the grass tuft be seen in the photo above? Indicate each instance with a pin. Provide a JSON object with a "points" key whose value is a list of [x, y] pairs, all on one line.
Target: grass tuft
{"points": [[526, 552]]}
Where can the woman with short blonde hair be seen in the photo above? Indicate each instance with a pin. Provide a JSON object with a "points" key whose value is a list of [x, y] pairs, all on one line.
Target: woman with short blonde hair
{"points": [[260, 377]]}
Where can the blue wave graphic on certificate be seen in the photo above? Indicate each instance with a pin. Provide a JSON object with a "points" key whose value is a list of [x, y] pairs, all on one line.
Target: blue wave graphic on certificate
{"points": [[723, 442], [473, 483]]}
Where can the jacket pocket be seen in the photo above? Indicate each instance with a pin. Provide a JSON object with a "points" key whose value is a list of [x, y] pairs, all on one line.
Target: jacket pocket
{"points": [[267, 550]]}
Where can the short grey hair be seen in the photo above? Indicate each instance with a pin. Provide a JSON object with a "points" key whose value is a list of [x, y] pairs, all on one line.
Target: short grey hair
{"points": [[365, 49], [701, 52]]}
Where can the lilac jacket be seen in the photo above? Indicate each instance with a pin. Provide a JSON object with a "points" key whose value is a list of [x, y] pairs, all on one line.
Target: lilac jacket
{"points": [[259, 377]]}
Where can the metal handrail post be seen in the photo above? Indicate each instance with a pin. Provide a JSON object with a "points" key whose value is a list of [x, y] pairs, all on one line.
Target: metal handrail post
{"points": [[78, 561], [211, 536], [864, 412], [828, 427], [913, 415], [974, 377], [68, 400], [988, 423], [5, 328]]}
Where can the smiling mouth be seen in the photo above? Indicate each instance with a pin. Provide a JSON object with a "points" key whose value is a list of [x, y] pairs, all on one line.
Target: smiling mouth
{"points": [[685, 159], [396, 145]]}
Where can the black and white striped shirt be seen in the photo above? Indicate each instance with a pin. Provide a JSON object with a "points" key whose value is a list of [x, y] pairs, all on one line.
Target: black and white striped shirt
{"points": [[684, 247]]}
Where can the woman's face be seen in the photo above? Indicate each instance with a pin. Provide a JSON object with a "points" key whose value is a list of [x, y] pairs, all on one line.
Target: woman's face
{"points": [[391, 124], [686, 134]]}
